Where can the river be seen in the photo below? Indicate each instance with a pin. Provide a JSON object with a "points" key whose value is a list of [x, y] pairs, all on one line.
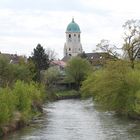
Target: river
{"points": [[78, 120]]}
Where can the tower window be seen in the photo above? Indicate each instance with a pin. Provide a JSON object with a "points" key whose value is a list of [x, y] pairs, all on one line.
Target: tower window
{"points": [[69, 49], [74, 34], [78, 36], [69, 35]]}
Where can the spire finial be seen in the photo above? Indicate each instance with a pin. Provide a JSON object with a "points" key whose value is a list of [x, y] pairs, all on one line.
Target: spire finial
{"points": [[73, 19]]}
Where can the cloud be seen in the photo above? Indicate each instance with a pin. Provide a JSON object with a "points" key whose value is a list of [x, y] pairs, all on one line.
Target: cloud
{"points": [[26, 23]]}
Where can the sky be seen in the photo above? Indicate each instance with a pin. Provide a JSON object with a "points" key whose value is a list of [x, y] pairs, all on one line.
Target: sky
{"points": [[25, 23]]}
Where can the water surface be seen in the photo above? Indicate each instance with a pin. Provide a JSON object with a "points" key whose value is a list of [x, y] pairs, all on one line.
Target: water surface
{"points": [[78, 120]]}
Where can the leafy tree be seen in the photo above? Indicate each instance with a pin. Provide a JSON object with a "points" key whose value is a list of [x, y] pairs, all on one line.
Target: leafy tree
{"points": [[77, 70], [40, 59], [21, 72], [116, 88], [9, 73], [5, 72], [31, 66], [7, 105], [50, 76], [131, 39]]}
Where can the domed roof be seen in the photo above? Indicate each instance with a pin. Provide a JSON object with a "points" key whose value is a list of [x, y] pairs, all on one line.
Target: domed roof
{"points": [[73, 27]]}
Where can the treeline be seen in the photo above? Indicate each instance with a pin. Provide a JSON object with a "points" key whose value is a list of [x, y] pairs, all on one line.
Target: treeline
{"points": [[116, 87], [20, 103], [21, 91]]}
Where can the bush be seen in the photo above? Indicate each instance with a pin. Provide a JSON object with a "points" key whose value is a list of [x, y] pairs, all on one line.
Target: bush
{"points": [[7, 105], [77, 70], [29, 97], [116, 87]]}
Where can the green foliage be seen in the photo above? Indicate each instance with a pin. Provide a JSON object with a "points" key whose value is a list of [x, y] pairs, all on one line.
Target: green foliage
{"points": [[24, 98], [116, 87], [21, 72], [29, 96], [7, 105], [40, 59], [9, 73], [67, 93], [5, 71], [32, 69], [76, 71], [50, 76]]}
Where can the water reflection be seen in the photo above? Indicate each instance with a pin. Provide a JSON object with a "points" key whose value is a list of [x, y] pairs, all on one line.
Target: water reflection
{"points": [[78, 120]]}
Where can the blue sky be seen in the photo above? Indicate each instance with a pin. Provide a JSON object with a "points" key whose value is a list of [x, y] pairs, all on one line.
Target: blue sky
{"points": [[25, 23]]}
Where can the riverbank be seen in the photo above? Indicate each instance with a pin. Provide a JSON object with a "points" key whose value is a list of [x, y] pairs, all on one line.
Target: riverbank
{"points": [[19, 105], [116, 87], [68, 94], [16, 124], [80, 120]]}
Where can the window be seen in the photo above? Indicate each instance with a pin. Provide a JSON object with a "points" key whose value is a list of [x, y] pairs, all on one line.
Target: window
{"points": [[78, 36], [74, 34], [69, 49], [69, 35]]}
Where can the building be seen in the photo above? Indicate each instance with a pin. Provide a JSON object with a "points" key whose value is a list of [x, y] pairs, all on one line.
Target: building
{"points": [[72, 45], [58, 64], [99, 58], [13, 58]]}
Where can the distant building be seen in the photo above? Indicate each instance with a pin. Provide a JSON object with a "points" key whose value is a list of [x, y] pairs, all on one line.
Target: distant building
{"points": [[98, 58], [13, 58], [60, 65], [73, 45]]}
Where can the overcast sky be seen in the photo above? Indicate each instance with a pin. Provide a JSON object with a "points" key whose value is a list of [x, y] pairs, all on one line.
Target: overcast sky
{"points": [[25, 23]]}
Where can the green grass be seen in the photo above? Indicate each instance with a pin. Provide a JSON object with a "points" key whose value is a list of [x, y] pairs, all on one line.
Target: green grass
{"points": [[67, 93]]}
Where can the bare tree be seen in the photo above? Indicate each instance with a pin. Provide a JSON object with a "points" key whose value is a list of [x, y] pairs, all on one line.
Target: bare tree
{"points": [[105, 46], [51, 53], [131, 40]]}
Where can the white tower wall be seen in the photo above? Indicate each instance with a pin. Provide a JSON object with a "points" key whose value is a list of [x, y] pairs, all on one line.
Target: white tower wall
{"points": [[73, 46]]}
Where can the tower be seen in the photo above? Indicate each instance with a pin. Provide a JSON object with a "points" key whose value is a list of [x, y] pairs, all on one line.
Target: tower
{"points": [[73, 45]]}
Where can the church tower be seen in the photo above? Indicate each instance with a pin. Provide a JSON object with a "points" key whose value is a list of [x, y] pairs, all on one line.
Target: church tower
{"points": [[73, 45]]}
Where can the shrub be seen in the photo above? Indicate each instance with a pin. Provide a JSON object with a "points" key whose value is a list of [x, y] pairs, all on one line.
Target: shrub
{"points": [[77, 70], [7, 105], [29, 97], [116, 87]]}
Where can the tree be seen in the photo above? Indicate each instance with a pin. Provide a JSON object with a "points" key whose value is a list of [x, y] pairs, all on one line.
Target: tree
{"points": [[9, 73], [51, 54], [83, 55], [131, 39], [40, 59], [5, 71], [105, 46], [77, 70], [50, 76]]}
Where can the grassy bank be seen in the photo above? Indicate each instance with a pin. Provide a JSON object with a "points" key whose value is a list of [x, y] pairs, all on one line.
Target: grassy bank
{"points": [[19, 104], [67, 94]]}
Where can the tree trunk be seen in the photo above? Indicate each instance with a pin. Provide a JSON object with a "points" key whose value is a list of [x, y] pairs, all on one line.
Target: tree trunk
{"points": [[132, 64]]}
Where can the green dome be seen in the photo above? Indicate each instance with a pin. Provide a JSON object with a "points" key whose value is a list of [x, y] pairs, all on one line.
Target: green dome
{"points": [[73, 27]]}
